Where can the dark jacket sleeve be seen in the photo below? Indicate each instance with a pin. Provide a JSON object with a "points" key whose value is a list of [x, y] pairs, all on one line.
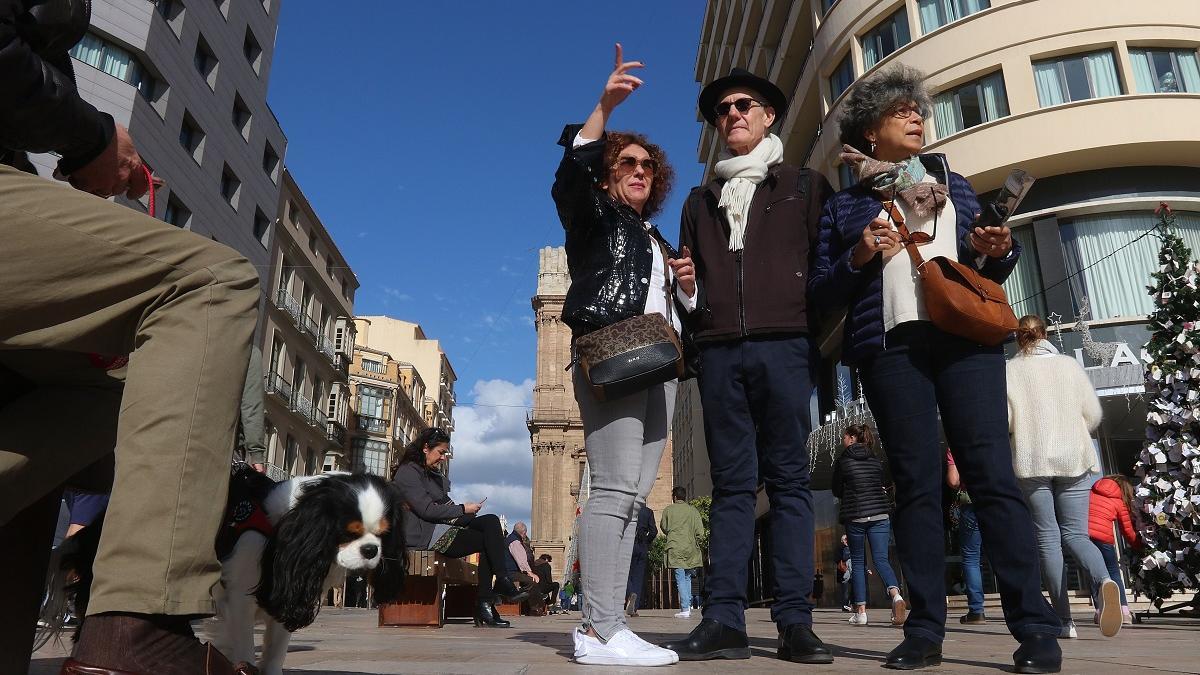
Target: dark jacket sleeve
{"points": [[40, 109], [576, 178], [688, 238], [966, 208], [410, 484], [650, 522], [836, 482], [820, 191], [831, 278]]}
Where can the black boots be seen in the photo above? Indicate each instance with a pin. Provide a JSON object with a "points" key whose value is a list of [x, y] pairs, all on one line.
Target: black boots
{"points": [[486, 615], [711, 639], [1038, 654], [506, 589], [914, 653], [799, 644]]}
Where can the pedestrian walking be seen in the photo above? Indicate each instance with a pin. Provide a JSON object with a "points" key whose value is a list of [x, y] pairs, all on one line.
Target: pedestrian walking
{"points": [[435, 522], [646, 533], [607, 187], [860, 484], [683, 528], [752, 230], [1111, 504], [86, 283], [912, 370], [1053, 410], [970, 544]]}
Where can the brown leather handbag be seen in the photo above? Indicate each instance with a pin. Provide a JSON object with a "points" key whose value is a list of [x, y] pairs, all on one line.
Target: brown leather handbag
{"points": [[959, 299]]}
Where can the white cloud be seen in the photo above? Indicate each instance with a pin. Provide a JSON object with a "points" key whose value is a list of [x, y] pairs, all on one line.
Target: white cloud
{"points": [[492, 455], [396, 294]]}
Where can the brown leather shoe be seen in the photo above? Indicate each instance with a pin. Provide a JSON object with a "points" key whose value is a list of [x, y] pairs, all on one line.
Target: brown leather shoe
{"points": [[133, 644]]}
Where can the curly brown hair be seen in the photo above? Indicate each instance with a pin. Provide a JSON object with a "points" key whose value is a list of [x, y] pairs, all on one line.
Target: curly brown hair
{"points": [[664, 177]]}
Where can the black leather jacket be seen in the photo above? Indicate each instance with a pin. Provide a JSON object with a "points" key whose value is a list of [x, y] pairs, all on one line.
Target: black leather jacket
{"points": [[609, 252], [40, 109]]}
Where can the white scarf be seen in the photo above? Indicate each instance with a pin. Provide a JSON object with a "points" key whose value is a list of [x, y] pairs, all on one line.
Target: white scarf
{"points": [[742, 174]]}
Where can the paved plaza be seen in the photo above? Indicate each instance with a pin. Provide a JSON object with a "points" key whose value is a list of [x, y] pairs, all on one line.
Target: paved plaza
{"points": [[347, 642]]}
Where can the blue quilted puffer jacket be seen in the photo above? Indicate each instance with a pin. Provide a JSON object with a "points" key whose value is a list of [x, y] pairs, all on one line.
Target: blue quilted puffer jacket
{"points": [[834, 285]]}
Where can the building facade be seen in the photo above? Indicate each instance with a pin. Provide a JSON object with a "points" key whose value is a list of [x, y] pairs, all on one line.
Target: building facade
{"points": [[401, 383], [1091, 98], [308, 341], [190, 83], [555, 425]]}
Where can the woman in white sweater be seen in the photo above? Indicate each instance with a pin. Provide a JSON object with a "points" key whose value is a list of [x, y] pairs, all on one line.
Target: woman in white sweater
{"points": [[1052, 411]]}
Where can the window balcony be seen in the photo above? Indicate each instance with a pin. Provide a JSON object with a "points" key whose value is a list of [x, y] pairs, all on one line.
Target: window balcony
{"points": [[374, 425], [277, 474], [335, 433], [288, 304], [319, 419], [304, 406], [280, 387]]}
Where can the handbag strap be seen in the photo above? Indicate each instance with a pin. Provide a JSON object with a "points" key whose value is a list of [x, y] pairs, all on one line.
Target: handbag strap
{"points": [[905, 236]]}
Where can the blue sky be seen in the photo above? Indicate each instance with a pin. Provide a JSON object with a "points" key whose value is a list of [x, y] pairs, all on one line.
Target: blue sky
{"points": [[424, 136]]}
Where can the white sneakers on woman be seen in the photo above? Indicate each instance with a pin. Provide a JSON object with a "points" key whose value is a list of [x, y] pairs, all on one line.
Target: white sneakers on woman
{"points": [[857, 619], [624, 649], [899, 610], [1109, 607], [683, 614]]}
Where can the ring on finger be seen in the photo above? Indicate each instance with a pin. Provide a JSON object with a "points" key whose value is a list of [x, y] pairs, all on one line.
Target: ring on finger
{"points": [[877, 240]]}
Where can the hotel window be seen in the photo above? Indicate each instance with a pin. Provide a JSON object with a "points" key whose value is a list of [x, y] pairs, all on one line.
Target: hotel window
{"points": [[1076, 77], [116, 61], [826, 4], [176, 213], [937, 13], [885, 38], [1108, 285], [172, 12], [262, 227], [222, 7], [292, 452], [372, 402], [206, 63], [1165, 70], [374, 366], [310, 464], [841, 79], [971, 104], [252, 50], [369, 456], [191, 137], [1024, 286], [231, 187], [241, 117]]}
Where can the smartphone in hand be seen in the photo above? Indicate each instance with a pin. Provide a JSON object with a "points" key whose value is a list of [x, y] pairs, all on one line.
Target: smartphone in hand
{"points": [[1015, 187]]}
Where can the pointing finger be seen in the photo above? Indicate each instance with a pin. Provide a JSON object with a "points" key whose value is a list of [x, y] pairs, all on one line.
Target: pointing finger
{"points": [[617, 65]]}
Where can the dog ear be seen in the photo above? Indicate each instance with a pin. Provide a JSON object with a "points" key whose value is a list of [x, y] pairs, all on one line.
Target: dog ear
{"points": [[388, 577], [298, 557]]}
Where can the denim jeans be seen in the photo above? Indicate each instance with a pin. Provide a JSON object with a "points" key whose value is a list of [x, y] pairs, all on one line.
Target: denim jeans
{"points": [[755, 394], [683, 582], [1060, 514], [878, 534], [970, 544], [922, 371], [1113, 562]]}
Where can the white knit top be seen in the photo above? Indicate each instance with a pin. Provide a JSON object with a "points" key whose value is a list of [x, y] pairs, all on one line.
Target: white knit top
{"points": [[1052, 410]]}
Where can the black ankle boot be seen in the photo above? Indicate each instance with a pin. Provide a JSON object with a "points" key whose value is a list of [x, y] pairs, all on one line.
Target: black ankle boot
{"points": [[505, 588], [711, 639], [798, 643], [914, 653], [486, 615], [1038, 654]]}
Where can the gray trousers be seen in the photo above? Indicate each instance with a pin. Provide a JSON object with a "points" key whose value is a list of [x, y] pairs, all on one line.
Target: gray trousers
{"points": [[1060, 514], [624, 440]]}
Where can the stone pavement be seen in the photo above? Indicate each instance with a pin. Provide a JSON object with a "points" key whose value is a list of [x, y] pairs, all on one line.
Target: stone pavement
{"points": [[347, 642]]}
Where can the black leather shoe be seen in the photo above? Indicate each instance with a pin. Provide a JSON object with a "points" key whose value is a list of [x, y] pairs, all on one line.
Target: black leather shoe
{"points": [[799, 644], [914, 653], [711, 640], [973, 617], [505, 588], [486, 615], [1038, 654]]}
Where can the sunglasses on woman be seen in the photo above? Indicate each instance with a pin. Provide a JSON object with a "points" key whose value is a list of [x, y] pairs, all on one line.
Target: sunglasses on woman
{"points": [[743, 106], [627, 164], [919, 238]]}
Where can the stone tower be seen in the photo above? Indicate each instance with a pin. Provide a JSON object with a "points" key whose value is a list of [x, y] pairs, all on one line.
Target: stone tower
{"points": [[555, 427]]}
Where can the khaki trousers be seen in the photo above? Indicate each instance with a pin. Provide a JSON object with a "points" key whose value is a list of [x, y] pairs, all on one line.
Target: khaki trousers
{"points": [[82, 275]]}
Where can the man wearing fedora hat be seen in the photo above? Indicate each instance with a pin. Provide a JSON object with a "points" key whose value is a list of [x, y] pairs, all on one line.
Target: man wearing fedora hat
{"points": [[750, 231]]}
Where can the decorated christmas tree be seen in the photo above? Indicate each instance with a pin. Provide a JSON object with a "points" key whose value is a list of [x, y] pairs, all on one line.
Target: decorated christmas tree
{"points": [[1169, 467]]}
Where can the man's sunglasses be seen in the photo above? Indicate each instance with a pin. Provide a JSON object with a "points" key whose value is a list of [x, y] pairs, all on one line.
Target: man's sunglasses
{"points": [[743, 106], [627, 164]]}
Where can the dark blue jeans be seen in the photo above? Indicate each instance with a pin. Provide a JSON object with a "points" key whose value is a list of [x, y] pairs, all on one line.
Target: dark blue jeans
{"points": [[923, 371], [755, 395], [878, 534], [1113, 563], [970, 544]]}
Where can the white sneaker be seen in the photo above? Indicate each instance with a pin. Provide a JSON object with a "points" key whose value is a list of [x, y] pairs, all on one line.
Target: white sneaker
{"points": [[899, 610], [1109, 608], [624, 649], [857, 619], [1068, 630], [685, 614]]}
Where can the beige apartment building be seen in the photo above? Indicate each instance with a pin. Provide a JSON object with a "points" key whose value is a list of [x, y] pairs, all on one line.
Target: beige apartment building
{"points": [[401, 384], [1096, 98], [555, 426], [308, 341]]}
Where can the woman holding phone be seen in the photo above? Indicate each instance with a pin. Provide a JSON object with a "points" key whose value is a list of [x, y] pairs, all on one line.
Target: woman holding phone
{"points": [[607, 187], [911, 370], [436, 523]]}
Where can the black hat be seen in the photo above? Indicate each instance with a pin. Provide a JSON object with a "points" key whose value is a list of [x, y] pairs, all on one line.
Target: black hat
{"points": [[738, 77]]}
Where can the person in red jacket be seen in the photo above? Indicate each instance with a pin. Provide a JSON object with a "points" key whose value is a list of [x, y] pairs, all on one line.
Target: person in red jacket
{"points": [[1111, 501]]}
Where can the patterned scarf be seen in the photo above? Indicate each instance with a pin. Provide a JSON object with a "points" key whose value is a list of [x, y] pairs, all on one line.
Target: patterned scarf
{"points": [[902, 179]]}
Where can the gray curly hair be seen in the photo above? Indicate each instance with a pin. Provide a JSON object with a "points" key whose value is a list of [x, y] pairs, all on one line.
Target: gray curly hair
{"points": [[870, 99]]}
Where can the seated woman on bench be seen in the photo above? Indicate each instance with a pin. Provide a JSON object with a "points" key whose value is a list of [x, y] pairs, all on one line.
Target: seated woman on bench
{"points": [[435, 522]]}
